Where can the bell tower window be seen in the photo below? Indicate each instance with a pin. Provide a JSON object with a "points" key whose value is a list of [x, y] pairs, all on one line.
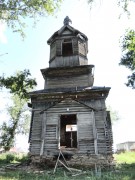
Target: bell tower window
{"points": [[67, 49]]}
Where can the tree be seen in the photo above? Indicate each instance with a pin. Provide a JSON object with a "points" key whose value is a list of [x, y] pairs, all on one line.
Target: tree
{"points": [[114, 114], [124, 4], [19, 86], [11, 128], [128, 55], [14, 12], [127, 45]]}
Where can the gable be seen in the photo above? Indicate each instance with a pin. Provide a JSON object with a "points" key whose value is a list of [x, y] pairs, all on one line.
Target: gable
{"points": [[66, 32], [69, 105]]}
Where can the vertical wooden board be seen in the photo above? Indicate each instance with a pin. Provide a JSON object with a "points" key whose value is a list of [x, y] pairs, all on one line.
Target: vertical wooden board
{"points": [[59, 47], [53, 51], [95, 134], [85, 131], [36, 131], [82, 49], [51, 135], [100, 118], [75, 46], [36, 126], [44, 119]]}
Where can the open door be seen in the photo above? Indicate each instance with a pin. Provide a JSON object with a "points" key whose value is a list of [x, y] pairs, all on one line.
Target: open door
{"points": [[68, 131]]}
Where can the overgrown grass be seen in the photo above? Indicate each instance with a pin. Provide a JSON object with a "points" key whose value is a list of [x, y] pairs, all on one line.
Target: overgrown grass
{"points": [[62, 174], [6, 158], [126, 157], [125, 170]]}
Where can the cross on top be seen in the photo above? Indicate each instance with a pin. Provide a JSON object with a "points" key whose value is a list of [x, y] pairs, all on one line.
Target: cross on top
{"points": [[67, 21]]}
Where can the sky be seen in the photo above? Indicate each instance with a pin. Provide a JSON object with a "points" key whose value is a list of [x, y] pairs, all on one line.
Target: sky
{"points": [[104, 28]]}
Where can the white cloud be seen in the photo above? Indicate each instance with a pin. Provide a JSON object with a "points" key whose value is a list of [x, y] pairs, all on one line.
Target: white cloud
{"points": [[3, 38]]}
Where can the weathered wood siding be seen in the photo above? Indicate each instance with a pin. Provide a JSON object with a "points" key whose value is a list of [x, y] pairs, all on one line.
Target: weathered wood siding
{"points": [[75, 46], [84, 123], [35, 140], [62, 61], [79, 56], [52, 50], [92, 129], [85, 133], [75, 81], [108, 133], [100, 118], [65, 61], [82, 49], [97, 104], [58, 48]]}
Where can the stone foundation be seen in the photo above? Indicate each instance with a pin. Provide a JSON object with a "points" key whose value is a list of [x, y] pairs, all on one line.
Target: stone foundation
{"points": [[87, 161]]}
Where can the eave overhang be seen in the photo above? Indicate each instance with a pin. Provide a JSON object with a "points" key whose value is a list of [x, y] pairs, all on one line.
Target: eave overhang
{"points": [[59, 34], [66, 71], [76, 93]]}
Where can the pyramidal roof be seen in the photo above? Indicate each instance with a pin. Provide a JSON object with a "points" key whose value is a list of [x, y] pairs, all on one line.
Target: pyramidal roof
{"points": [[67, 28]]}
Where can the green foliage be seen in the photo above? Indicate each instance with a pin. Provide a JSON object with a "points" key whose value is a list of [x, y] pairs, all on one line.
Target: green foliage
{"points": [[7, 136], [124, 4], [18, 123], [114, 114], [128, 55], [22, 158], [64, 175], [121, 172], [14, 12], [9, 158], [19, 86], [126, 157], [6, 158]]}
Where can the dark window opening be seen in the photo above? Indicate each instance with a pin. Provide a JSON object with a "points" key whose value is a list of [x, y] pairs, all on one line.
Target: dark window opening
{"points": [[67, 49], [68, 131]]}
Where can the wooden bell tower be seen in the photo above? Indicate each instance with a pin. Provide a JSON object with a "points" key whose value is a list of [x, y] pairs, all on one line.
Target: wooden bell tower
{"points": [[70, 113]]}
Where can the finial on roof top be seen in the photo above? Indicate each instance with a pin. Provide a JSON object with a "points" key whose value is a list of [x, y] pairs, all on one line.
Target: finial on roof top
{"points": [[67, 21]]}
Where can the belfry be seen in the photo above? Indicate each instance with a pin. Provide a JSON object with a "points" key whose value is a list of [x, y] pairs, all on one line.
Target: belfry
{"points": [[70, 114]]}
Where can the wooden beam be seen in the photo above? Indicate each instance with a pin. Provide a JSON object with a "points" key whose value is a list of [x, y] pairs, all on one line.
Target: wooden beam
{"points": [[44, 119], [95, 134]]}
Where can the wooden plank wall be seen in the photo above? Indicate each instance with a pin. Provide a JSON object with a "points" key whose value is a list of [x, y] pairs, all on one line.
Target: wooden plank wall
{"points": [[35, 141], [84, 123], [61, 61], [85, 132], [82, 49], [75, 46], [57, 82], [52, 51], [100, 117], [108, 134], [86, 137]]}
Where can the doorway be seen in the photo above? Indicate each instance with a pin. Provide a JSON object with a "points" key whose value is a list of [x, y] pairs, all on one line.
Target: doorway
{"points": [[68, 131]]}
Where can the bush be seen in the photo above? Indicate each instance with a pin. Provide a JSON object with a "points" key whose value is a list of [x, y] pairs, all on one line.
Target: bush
{"points": [[22, 158], [10, 158]]}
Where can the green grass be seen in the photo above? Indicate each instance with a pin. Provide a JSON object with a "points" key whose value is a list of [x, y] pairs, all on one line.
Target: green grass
{"points": [[126, 157], [125, 170]]}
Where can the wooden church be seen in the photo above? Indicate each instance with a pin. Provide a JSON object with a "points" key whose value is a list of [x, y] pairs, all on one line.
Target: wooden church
{"points": [[70, 114]]}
